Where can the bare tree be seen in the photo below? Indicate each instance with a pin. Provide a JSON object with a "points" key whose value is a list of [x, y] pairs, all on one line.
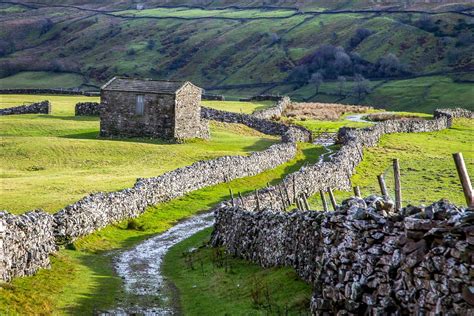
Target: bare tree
{"points": [[341, 82], [362, 86], [317, 79]]}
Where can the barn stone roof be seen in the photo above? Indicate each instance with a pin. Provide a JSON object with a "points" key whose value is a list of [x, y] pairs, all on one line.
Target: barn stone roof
{"points": [[144, 85]]}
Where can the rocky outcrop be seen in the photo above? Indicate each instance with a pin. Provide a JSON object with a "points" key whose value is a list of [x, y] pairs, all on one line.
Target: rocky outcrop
{"points": [[26, 241], [43, 107], [365, 258], [87, 109]]}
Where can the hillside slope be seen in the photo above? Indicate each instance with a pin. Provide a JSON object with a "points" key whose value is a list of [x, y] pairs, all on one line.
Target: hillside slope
{"points": [[246, 50]]}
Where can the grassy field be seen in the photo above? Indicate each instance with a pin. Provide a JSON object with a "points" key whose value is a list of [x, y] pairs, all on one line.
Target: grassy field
{"points": [[207, 275], [237, 106], [42, 79], [59, 158], [82, 280], [427, 167]]}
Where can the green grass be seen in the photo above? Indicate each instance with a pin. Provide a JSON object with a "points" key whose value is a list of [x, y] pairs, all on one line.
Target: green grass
{"points": [[83, 280], [202, 278], [237, 106], [423, 94], [41, 79], [427, 167], [59, 158]]}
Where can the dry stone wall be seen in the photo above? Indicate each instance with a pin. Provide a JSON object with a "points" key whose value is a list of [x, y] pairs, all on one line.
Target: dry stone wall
{"points": [[289, 133], [274, 111], [364, 259], [43, 107], [87, 109], [337, 171], [99, 210], [49, 91], [26, 241]]}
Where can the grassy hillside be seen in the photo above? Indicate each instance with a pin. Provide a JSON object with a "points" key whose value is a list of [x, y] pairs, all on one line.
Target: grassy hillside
{"points": [[59, 158], [40, 80], [234, 48]]}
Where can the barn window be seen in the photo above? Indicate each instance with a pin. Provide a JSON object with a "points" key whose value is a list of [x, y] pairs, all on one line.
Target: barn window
{"points": [[140, 106]]}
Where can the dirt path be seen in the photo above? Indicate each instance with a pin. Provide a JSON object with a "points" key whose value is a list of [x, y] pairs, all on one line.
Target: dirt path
{"points": [[140, 269]]}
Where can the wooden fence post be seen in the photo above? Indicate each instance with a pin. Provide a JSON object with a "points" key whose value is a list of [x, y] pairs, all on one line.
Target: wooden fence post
{"points": [[241, 200], [294, 188], [333, 199], [323, 200], [287, 193], [357, 192], [305, 201], [465, 180], [398, 184], [283, 202], [258, 200], [383, 186], [232, 197]]}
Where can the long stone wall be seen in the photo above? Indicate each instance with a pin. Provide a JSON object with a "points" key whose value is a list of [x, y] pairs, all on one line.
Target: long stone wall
{"points": [[99, 210], [365, 258], [49, 91], [274, 111], [43, 107], [275, 238], [26, 241], [87, 109], [289, 133]]}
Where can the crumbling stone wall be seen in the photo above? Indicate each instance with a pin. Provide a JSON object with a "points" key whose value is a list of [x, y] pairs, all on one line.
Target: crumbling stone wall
{"points": [[87, 109], [26, 241], [365, 258], [43, 107]]}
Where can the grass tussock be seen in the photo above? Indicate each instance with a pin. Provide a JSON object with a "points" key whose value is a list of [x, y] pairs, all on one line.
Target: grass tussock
{"points": [[322, 111]]}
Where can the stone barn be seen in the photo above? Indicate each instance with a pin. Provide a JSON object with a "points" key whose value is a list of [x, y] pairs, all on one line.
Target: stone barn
{"points": [[151, 108]]}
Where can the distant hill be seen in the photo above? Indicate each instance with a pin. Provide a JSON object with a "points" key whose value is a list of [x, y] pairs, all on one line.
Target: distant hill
{"points": [[302, 48]]}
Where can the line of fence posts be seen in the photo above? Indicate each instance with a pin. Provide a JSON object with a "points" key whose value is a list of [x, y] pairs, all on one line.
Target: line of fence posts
{"points": [[301, 200]]}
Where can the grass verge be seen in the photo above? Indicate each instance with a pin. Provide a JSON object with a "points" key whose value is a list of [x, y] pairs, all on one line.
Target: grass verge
{"points": [[204, 276]]}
